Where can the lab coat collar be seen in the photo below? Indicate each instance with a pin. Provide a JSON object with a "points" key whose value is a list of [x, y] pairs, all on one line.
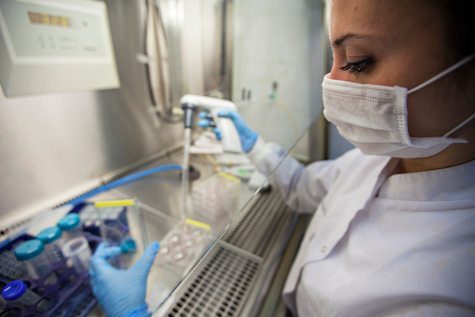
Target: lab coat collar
{"points": [[437, 185]]}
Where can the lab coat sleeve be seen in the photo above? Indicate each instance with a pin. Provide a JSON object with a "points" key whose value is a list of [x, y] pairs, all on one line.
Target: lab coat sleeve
{"points": [[301, 187]]}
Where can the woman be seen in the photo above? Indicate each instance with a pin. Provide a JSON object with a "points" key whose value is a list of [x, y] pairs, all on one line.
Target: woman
{"points": [[394, 227]]}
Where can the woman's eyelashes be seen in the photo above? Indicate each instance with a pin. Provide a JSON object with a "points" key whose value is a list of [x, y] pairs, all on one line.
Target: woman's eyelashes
{"points": [[358, 66]]}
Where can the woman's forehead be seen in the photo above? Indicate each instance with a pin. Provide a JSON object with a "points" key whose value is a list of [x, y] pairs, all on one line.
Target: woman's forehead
{"points": [[386, 18]]}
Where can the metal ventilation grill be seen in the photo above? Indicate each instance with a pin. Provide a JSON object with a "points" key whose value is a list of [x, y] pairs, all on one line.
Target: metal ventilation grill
{"points": [[220, 285], [219, 288], [257, 228]]}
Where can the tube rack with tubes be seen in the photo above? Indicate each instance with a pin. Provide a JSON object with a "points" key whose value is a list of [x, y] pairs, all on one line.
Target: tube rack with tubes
{"points": [[53, 242], [70, 295], [50, 299], [32, 255]]}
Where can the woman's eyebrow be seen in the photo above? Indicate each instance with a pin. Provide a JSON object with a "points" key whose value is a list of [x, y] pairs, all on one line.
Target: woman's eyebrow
{"points": [[348, 36]]}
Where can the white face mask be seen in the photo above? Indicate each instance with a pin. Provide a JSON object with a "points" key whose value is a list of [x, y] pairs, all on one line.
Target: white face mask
{"points": [[374, 118]]}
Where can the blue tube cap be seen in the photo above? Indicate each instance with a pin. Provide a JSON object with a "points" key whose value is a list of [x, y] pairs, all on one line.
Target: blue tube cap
{"points": [[70, 222], [49, 235], [14, 290], [29, 249], [128, 246]]}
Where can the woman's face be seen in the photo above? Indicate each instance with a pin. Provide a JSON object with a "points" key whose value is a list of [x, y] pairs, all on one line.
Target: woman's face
{"points": [[398, 43]]}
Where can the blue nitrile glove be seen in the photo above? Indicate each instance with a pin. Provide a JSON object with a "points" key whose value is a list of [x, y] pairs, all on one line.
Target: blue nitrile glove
{"points": [[208, 122], [121, 293], [246, 135]]}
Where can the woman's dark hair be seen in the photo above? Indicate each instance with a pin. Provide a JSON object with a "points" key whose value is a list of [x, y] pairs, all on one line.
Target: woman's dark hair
{"points": [[459, 18]]}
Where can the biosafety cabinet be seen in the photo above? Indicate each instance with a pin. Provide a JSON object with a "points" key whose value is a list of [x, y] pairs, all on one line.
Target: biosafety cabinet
{"points": [[91, 125]]}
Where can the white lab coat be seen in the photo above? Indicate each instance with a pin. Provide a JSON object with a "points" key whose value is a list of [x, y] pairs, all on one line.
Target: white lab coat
{"points": [[402, 245]]}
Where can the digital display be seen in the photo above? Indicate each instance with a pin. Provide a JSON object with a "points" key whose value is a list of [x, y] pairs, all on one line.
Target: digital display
{"points": [[49, 19], [55, 46]]}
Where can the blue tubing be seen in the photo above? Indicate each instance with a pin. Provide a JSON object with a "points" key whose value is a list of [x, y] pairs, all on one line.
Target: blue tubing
{"points": [[126, 180]]}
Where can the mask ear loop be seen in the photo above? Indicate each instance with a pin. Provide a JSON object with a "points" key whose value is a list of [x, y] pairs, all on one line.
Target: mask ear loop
{"points": [[460, 125], [443, 73]]}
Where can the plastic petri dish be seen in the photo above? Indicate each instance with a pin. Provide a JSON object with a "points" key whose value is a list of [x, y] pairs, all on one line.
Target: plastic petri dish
{"points": [[189, 243], [179, 255], [175, 239]]}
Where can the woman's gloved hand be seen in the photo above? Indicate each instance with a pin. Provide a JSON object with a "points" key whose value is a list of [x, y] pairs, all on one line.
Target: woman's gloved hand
{"points": [[121, 293], [208, 122], [247, 136]]}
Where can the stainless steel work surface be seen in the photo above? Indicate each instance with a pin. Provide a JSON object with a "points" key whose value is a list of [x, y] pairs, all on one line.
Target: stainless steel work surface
{"points": [[232, 279]]}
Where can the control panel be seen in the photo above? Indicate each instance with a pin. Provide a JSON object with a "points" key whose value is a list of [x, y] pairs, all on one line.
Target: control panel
{"points": [[51, 46]]}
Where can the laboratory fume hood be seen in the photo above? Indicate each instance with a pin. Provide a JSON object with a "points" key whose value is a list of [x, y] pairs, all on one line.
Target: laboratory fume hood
{"points": [[91, 94]]}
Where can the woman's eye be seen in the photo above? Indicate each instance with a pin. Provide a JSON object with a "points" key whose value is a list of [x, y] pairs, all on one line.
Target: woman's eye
{"points": [[359, 66]]}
